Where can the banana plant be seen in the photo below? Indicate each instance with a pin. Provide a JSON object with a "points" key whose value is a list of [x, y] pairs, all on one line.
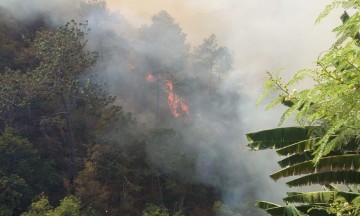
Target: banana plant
{"points": [[341, 166]]}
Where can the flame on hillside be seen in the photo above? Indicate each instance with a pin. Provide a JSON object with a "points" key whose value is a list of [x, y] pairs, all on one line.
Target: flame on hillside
{"points": [[177, 104], [150, 77]]}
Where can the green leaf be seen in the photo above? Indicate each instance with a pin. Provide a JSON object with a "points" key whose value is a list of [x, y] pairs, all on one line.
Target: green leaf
{"points": [[296, 158], [326, 164], [343, 177], [266, 205], [278, 137], [311, 197]]}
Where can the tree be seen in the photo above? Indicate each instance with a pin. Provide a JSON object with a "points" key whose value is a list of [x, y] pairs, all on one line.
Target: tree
{"points": [[165, 51], [60, 76], [14, 96], [22, 173], [212, 59], [326, 146], [69, 206]]}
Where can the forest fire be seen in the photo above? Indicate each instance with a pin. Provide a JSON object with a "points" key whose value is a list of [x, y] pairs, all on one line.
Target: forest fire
{"points": [[150, 77], [175, 102]]}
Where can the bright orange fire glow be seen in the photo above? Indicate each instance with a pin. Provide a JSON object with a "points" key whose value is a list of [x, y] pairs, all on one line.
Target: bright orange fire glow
{"points": [[150, 77], [173, 100], [184, 107], [177, 105]]}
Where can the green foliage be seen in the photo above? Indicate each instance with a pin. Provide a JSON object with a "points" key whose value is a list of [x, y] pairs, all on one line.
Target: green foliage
{"points": [[325, 149], [41, 207], [332, 102], [14, 194], [14, 95], [21, 172], [154, 210], [90, 190], [342, 207], [69, 206], [338, 167], [212, 62]]}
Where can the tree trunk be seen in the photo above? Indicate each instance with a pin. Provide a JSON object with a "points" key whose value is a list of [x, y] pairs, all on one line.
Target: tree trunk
{"points": [[70, 139], [157, 97]]}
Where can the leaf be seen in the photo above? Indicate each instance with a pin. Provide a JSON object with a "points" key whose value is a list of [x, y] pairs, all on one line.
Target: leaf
{"points": [[295, 148], [296, 158], [278, 137], [326, 164], [311, 197], [343, 177], [296, 211], [266, 205]]}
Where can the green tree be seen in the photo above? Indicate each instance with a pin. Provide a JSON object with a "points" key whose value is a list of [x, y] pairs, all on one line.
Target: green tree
{"points": [[22, 173], [153, 210], [211, 60], [14, 96], [60, 76], [69, 206], [165, 51]]}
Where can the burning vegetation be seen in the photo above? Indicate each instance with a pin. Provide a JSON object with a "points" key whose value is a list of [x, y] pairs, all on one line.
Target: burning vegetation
{"points": [[126, 147]]}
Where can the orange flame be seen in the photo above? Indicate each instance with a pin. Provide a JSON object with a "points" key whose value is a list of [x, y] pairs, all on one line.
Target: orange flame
{"points": [[175, 102], [150, 77]]}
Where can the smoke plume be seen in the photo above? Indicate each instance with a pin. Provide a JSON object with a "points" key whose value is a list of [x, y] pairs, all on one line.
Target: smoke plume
{"points": [[262, 36]]}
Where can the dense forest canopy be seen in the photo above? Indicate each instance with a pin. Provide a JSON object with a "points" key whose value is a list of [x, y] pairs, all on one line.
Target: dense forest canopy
{"points": [[101, 122]]}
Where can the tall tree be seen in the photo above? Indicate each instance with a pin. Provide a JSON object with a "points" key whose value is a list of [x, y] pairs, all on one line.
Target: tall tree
{"points": [[61, 77], [165, 49], [212, 59]]}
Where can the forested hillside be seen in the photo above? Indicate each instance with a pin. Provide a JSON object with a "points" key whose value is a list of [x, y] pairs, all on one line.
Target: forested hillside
{"points": [[81, 135]]}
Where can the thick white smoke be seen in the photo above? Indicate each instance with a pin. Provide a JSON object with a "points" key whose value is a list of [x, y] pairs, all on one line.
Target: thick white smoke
{"points": [[263, 36]]}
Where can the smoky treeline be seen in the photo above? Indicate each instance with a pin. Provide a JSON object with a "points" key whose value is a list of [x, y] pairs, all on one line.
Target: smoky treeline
{"points": [[113, 119]]}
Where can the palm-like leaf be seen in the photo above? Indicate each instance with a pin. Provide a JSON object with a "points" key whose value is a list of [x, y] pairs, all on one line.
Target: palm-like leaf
{"points": [[298, 147], [319, 197], [296, 159], [326, 164], [340, 166], [278, 137], [311, 197], [266, 205], [343, 177]]}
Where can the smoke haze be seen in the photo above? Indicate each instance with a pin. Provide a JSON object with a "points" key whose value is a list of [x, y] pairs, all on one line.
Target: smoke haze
{"points": [[262, 35]]}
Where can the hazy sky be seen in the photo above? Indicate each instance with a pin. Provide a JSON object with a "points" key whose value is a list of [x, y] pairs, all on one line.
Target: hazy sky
{"points": [[263, 35]]}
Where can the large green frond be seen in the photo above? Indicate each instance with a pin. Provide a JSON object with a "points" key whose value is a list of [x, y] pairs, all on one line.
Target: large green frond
{"points": [[296, 159], [311, 197], [326, 164], [266, 205], [298, 147], [278, 137], [342, 177]]}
